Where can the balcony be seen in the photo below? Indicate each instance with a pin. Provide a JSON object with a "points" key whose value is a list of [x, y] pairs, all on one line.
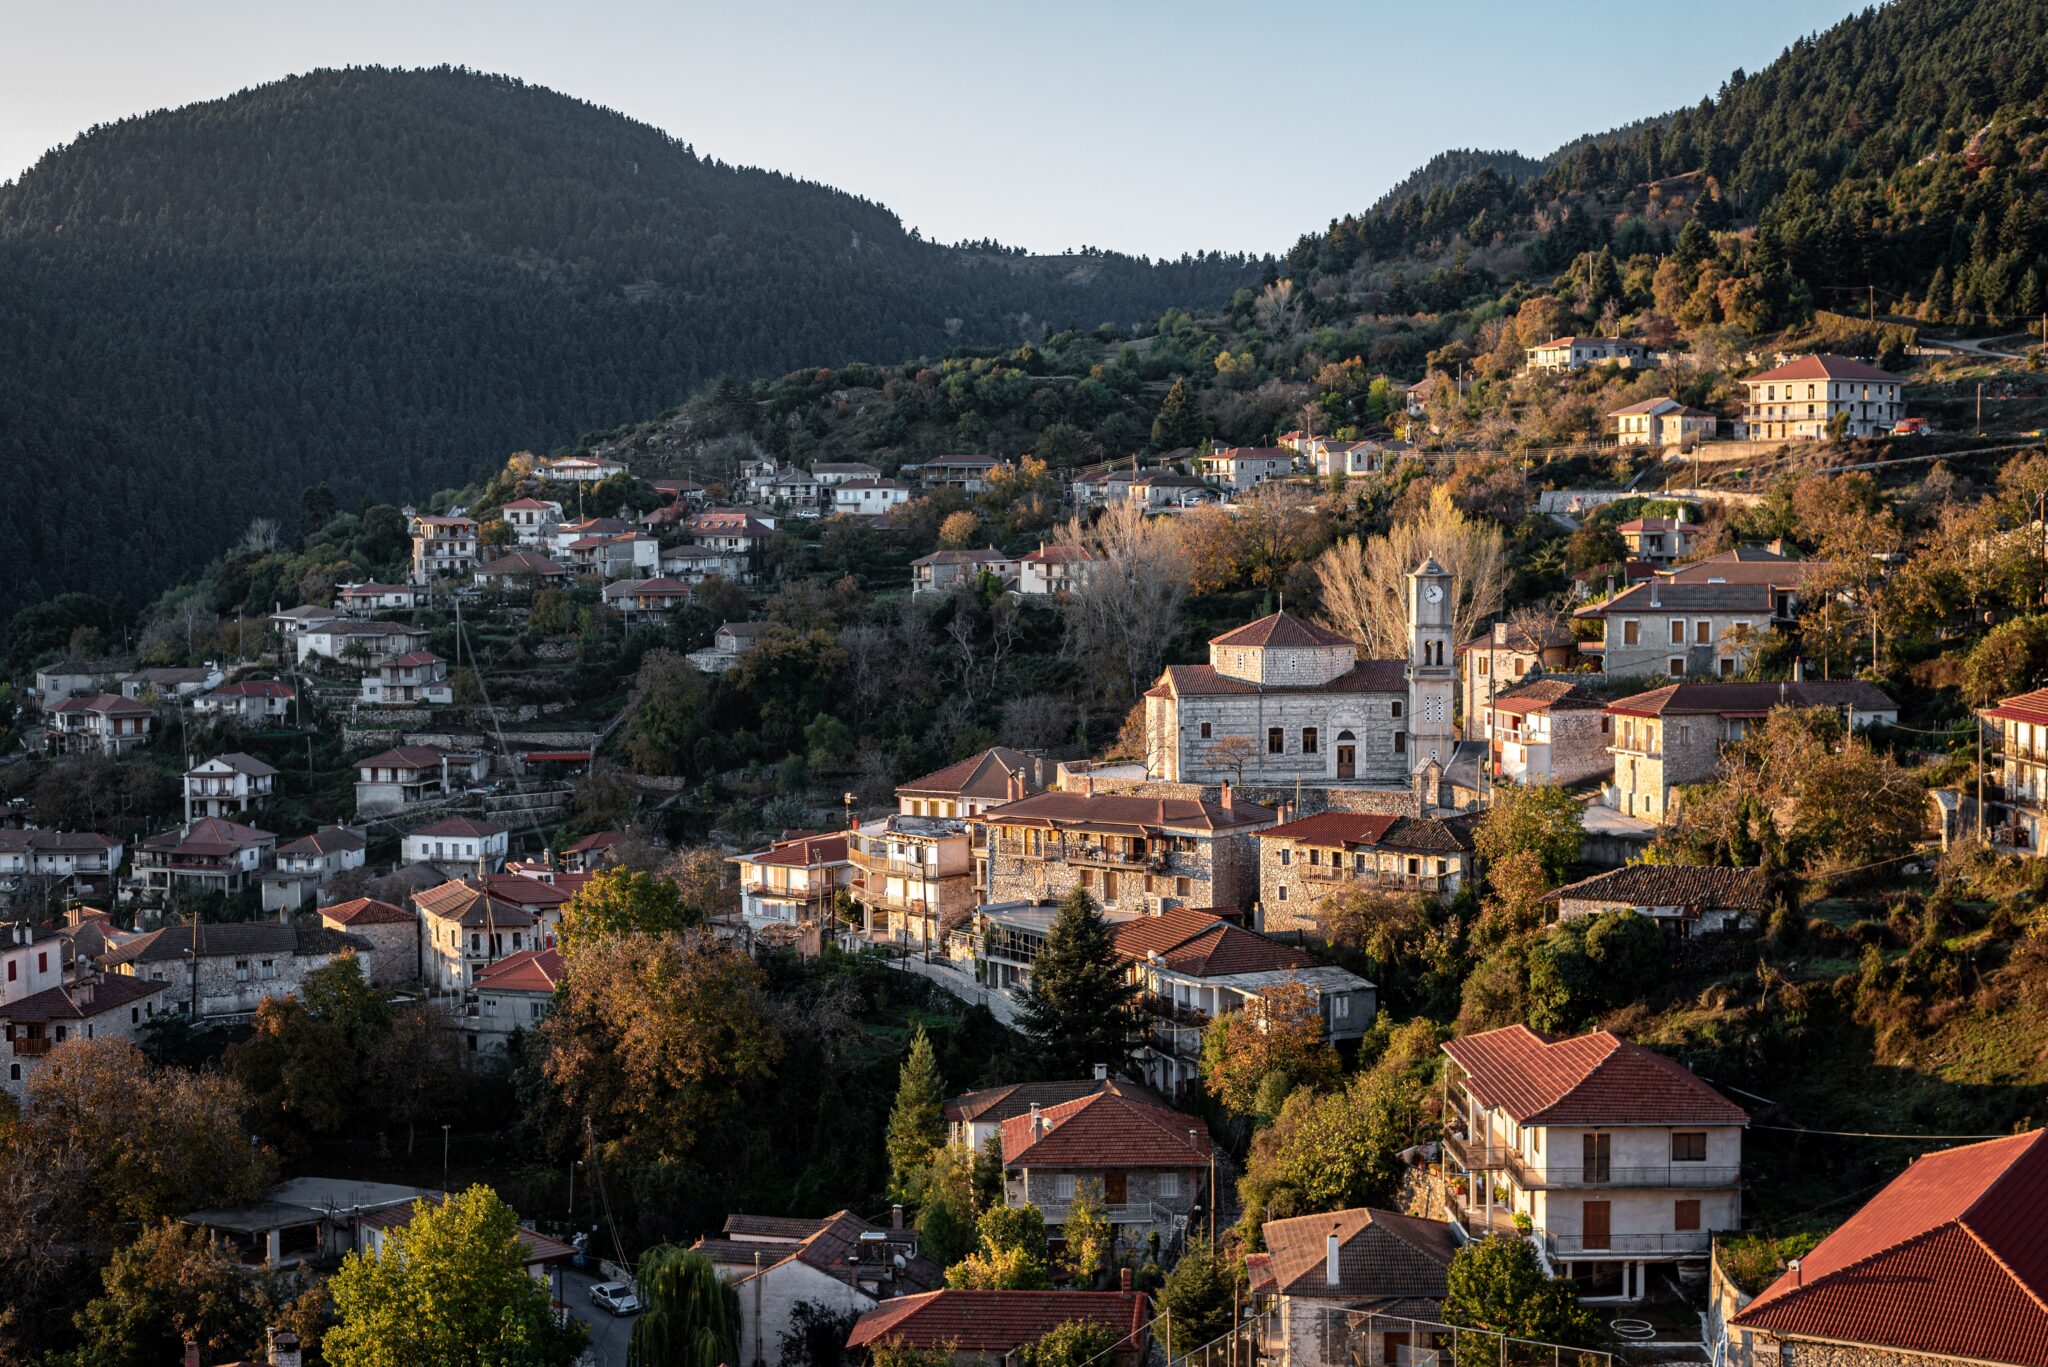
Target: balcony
{"points": [[1473, 1217], [1175, 1041], [1127, 1213], [36, 1047], [1683, 1244], [1581, 1176], [1474, 1155], [1103, 856]]}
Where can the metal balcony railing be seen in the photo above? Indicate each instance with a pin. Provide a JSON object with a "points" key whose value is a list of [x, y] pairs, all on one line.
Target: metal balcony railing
{"points": [[1617, 1244], [1578, 1174], [1476, 1155]]}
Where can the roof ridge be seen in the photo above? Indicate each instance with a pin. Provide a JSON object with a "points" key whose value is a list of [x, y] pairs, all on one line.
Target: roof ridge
{"points": [[1770, 1297], [1962, 1223]]}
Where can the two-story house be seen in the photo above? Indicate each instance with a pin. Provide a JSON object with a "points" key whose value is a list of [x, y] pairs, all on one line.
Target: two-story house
{"points": [[409, 680], [1673, 736], [442, 546], [973, 785], [1051, 571], [352, 641], [1549, 731], [969, 474], [251, 702], [838, 1265], [370, 597], [1131, 853], [1239, 468], [581, 469], [75, 678], [832, 473], [646, 600], [531, 519], [1660, 540], [941, 570], [466, 927], [208, 855], [1305, 862], [974, 1118], [1193, 966], [83, 856], [796, 879], [1149, 1166], [1663, 422], [392, 932], [226, 784], [513, 995], [1503, 657], [1678, 629], [1801, 399], [913, 877], [215, 970], [1318, 1272], [868, 497], [99, 723], [693, 564], [521, 572], [796, 491], [407, 775], [458, 845], [2018, 818], [306, 866], [1579, 353], [95, 1007], [1621, 1160]]}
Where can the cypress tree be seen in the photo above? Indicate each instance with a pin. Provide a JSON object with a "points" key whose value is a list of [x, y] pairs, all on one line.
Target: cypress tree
{"points": [[1079, 1010], [1178, 424], [917, 1124]]}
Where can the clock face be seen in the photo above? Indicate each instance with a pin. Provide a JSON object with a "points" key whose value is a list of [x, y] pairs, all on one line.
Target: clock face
{"points": [[1434, 593]]}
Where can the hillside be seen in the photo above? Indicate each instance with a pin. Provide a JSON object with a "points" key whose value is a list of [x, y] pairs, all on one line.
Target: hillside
{"points": [[387, 279]]}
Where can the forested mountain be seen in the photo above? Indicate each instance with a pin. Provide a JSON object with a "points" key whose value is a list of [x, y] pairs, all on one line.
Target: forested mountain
{"points": [[387, 279]]}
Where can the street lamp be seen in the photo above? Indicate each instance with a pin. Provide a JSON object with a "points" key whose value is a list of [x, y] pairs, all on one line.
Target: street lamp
{"points": [[444, 1161]]}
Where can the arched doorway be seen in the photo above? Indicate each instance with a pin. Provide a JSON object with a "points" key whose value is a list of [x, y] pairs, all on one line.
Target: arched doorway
{"points": [[1347, 755]]}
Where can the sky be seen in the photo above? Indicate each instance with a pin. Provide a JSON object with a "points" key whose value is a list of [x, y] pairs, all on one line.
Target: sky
{"points": [[1151, 128]]}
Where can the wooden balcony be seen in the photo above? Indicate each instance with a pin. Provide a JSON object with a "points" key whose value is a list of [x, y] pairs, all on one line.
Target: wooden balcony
{"points": [[36, 1047]]}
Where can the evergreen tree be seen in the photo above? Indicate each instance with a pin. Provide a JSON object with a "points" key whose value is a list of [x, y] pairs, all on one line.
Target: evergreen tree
{"points": [[1079, 1008], [1497, 1284], [917, 1124], [1178, 424], [689, 1317]]}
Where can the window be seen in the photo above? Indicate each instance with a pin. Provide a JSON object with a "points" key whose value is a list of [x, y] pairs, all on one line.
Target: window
{"points": [[1183, 887], [1482, 666], [1286, 856], [1676, 667], [1678, 631], [1308, 740], [1397, 710], [1315, 857], [14, 1072], [241, 970], [1703, 633], [1689, 1148], [269, 968], [1205, 730], [1685, 1215], [1283, 892], [1276, 740], [1340, 1007], [1400, 740], [43, 961], [1631, 631], [1063, 1186], [1169, 1184], [476, 943], [134, 1015], [13, 969]]}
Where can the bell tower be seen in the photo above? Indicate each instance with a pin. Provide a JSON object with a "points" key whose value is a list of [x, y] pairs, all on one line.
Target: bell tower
{"points": [[1432, 664]]}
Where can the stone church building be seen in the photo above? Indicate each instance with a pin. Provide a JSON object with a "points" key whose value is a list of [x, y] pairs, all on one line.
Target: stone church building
{"points": [[1284, 701]]}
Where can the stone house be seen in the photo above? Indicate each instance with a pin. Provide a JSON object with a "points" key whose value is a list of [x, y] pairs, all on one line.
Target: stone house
{"points": [[512, 995], [1303, 862], [1193, 966], [1623, 1162], [1132, 854], [1943, 1267], [1676, 630], [1149, 1165], [458, 845], [1673, 736], [1549, 731], [465, 927], [226, 784], [76, 678], [1239, 468], [1799, 400], [941, 570], [992, 1328], [94, 1007], [840, 1264], [222, 970], [1318, 1271], [392, 932], [98, 723], [1504, 657], [1684, 899]]}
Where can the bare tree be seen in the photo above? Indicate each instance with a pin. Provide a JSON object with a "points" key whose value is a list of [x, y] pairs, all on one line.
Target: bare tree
{"points": [[1120, 617], [1364, 585], [1278, 308], [261, 535], [1037, 721]]}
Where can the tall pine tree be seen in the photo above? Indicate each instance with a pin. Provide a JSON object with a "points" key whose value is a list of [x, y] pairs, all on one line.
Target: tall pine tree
{"points": [[1079, 1010], [917, 1123], [1178, 424]]}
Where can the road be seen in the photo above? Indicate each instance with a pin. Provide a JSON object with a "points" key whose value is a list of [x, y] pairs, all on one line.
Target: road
{"points": [[608, 1333]]}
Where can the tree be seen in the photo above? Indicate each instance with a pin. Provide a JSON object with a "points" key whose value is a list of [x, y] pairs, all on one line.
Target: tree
{"points": [[1535, 817], [817, 1334], [448, 1287], [1178, 424], [1587, 965], [652, 1038], [1196, 1296], [1077, 1343], [621, 902], [1364, 585], [664, 718], [1123, 612], [945, 1217], [959, 529], [1333, 1150], [898, 1352], [1079, 1008], [418, 1065], [1497, 1284], [1233, 753], [1090, 1238], [1278, 1036], [689, 1317], [172, 1285], [1009, 1253], [917, 1123]]}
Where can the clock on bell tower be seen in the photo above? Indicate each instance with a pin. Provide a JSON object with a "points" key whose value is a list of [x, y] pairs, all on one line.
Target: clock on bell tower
{"points": [[1432, 666]]}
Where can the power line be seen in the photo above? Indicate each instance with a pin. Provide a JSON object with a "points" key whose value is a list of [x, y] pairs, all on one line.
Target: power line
{"points": [[1860, 1134]]}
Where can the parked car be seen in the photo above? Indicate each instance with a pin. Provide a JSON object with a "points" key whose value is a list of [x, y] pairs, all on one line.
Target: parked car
{"points": [[616, 1297], [1910, 427]]}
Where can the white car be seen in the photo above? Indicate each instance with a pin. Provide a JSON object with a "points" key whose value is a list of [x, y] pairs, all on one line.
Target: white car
{"points": [[616, 1297]]}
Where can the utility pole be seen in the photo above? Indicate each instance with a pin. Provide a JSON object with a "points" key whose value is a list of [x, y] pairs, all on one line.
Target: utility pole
{"points": [[1980, 408], [1870, 311]]}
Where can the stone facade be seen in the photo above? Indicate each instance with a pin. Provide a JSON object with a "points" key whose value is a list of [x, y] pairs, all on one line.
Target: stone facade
{"points": [[1653, 755], [1292, 889]]}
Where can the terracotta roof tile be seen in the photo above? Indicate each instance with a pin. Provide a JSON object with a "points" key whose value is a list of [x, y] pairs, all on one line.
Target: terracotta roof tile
{"points": [[1824, 367], [997, 1322], [1280, 629], [367, 911], [1950, 1259], [1106, 1131], [1561, 694], [1062, 808], [993, 1104], [530, 970], [1367, 676], [462, 826], [1595, 1079], [1379, 1253], [1674, 885], [1753, 699]]}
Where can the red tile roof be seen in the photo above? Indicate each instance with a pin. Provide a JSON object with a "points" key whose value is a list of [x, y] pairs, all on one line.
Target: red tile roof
{"points": [[528, 891], [107, 703], [463, 826], [1225, 949], [1350, 830], [112, 993], [1379, 1253], [1280, 629], [213, 835], [405, 757], [602, 840], [366, 911], [2031, 708], [804, 852], [530, 970], [984, 775], [1596, 1079], [1824, 367], [470, 906], [1367, 676], [255, 688], [326, 840], [996, 1322], [1753, 699], [1557, 693], [1170, 929], [1106, 1131], [1950, 1259], [1139, 814], [1016, 1098]]}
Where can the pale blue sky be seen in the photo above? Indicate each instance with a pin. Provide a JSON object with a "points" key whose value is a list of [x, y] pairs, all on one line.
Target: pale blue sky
{"points": [[1146, 127]]}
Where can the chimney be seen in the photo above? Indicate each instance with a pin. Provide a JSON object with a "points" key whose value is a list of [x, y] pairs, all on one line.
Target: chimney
{"points": [[1656, 586], [191, 1354], [1798, 669], [896, 1215], [1224, 798], [1037, 1122], [1087, 785], [1102, 1072], [284, 1348], [1797, 1278], [1500, 633], [1123, 1279], [284, 914], [1331, 1275]]}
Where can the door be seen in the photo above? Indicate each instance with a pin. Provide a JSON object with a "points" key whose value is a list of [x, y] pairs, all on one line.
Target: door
{"points": [[1599, 1157], [1347, 761], [1115, 1188], [1595, 1226]]}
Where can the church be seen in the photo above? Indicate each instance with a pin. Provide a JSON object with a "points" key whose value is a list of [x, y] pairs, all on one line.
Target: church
{"points": [[1283, 701]]}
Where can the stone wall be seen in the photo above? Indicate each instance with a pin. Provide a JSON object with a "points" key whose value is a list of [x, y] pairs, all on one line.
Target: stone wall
{"points": [[1296, 912], [1304, 801], [1370, 718]]}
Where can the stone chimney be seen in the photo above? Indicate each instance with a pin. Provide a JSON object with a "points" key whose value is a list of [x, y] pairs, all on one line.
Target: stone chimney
{"points": [[1087, 785], [1224, 797], [1332, 1274], [1656, 590], [1123, 1279], [1500, 633], [191, 1354], [896, 1215], [284, 1348]]}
